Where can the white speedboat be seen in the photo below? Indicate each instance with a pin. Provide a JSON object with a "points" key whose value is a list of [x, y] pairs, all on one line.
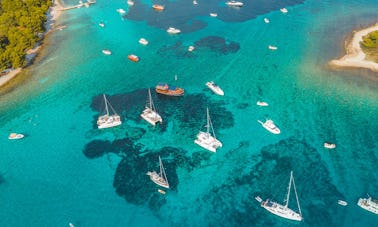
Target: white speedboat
{"points": [[106, 52], [15, 136], [342, 202], [149, 113], [213, 14], [270, 126], [329, 145], [108, 120], [261, 103], [101, 24], [283, 10], [368, 204], [234, 3], [143, 41], [159, 178], [130, 2], [207, 139], [172, 30], [121, 11], [266, 20], [215, 88], [283, 210], [190, 48], [272, 47], [195, 2]]}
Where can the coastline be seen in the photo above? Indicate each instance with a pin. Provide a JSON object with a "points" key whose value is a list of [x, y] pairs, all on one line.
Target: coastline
{"points": [[355, 57], [53, 14]]}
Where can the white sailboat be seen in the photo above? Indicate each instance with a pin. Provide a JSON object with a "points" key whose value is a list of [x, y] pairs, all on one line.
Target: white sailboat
{"points": [[159, 178], [107, 120], [283, 210], [207, 139], [149, 113]]}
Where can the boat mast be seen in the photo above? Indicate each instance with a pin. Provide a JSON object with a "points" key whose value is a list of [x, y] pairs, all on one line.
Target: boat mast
{"points": [[296, 196], [162, 171], [106, 105], [149, 98], [288, 190]]}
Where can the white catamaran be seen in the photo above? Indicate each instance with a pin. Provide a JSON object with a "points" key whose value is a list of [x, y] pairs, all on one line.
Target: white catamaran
{"points": [[159, 178], [283, 210], [106, 120], [149, 114], [206, 139]]}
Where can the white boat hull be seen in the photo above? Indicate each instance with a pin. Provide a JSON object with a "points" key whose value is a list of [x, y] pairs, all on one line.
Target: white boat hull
{"points": [[151, 116], [215, 88], [108, 121], [15, 136], [281, 211], [269, 125], [368, 205], [208, 142], [157, 179]]}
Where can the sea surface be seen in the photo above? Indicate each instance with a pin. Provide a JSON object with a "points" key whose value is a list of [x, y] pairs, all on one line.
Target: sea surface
{"points": [[66, 170]]}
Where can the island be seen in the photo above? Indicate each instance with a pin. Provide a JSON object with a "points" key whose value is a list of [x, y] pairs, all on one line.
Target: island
{"points": [[362, 50]]}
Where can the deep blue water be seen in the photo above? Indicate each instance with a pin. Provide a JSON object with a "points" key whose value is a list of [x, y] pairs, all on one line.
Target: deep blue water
{"points": [[66, 170]]}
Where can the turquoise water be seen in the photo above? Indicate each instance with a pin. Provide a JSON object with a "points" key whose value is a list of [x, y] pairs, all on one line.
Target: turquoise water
{"points": [[65, 170]]}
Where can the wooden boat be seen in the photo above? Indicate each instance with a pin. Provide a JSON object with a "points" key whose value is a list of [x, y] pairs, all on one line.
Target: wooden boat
{"points": [[158, 7], [165, 89], [133, 57]]}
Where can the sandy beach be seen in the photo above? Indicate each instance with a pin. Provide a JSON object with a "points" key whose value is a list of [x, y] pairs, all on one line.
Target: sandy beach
{"points": [[355, 57], [53, 15]]}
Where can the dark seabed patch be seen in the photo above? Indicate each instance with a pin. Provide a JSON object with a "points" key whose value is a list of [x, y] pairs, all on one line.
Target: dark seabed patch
{"points": [[187, 112], [234, 204], [185, 15], [218, 44]]}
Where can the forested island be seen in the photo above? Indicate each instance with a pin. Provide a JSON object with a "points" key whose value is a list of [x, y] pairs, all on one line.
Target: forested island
{"points": [[21, 27], [369, 45]]}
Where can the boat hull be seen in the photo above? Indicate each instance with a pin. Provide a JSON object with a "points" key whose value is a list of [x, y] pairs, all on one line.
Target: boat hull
{"points": [[215, 88], [15, 136], [108, 121], [208, 142], [157, 179], [368, 205], [151, 116], [281, 211]]}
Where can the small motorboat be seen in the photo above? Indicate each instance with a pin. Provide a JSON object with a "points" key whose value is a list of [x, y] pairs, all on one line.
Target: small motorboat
{"points": [[266, 20], [259, 199], [165, 89], [172, 30], [272, 47], [270, 126], [101, 24], [106, 52], [195, 2], [15, 136], [234, 3], [158, 7], [190, 48], [121, 11], [283, 10], [143, 41], [130, 2], [133, 57], [329, 145], [215, 88], [261, 103], [213, 14], [161, 191], [342, 202]]}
